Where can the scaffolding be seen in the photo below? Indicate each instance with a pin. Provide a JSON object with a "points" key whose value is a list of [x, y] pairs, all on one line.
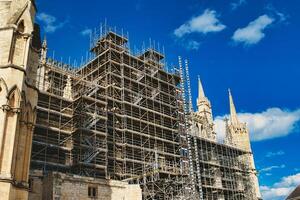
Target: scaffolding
{"points": [[119, 116], [70, 132], [217, 171], [223, 174], [222, 170], [124, 116]]}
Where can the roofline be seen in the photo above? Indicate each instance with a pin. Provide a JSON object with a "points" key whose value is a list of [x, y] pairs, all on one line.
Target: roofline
{"points": [[34, 5]]}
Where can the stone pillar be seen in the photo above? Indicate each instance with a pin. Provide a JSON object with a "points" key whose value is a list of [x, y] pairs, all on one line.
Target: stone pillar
{"points": [[18, 94]]}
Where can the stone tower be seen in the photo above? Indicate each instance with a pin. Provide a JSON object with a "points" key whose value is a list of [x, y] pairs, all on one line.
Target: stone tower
{"points": [[203, 104], [203, 116], [19, 56], [237, 135]]}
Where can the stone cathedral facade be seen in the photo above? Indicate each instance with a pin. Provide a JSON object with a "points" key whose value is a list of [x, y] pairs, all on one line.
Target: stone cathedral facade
{"points": [[114, 129], [19, 59], [222, 169]]}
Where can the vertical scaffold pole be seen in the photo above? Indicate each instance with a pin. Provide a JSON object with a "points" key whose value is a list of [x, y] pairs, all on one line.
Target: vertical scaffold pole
{"points": [[197, 180], [186, 124]]}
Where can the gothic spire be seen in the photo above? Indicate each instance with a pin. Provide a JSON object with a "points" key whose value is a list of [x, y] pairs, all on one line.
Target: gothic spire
{"points": [[233, 115], [201, 93], [204, 107]]}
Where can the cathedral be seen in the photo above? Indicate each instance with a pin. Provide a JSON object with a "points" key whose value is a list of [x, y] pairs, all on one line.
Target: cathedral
{"points": [[222, 169], [19, 59], [116, 127]]}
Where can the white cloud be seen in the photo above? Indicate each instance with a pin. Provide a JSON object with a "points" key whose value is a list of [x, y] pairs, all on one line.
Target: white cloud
{"points": [[205, 23], [288, 181], [220, 127], [192, 45], [281, 16], [272, 154], [281, 189], [86, 32], [49, 21], [275, 193], [253, 33], [272, 123], [237, 4], [268, 169]]}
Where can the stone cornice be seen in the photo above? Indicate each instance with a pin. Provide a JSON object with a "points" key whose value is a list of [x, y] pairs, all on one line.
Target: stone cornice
{"points": [[20, 69], [10, 26], [15, 28], [31, 86], [17, 184], [13, 66], [8, 108]]}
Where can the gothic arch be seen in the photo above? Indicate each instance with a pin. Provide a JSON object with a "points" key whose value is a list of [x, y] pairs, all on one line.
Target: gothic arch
{"points": [[21, 26], [14, 97], [3, 92], [3, 86], [29, 113], [22, 13]]}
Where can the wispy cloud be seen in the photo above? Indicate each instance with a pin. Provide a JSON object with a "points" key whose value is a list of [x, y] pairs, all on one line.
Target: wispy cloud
{"points": [[253, 33], [237, 4], [268, 169], [86, 32], [281, 189], [272, 123], [50, 22], [192, 45], [281, 17], [205, 23], [272, 154]]}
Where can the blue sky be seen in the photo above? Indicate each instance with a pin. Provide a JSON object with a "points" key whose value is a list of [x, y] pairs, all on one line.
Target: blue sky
{"points": [[251, 47]]}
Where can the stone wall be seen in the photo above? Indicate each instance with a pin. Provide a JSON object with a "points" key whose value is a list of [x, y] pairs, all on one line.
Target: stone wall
{"points": [[71, 187]]}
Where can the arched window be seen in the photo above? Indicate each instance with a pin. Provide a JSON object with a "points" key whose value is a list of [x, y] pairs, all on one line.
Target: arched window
{"points": [[14, 98], [3, 92], [17, 55], [12, 101], [21, 27], [3, 87]]}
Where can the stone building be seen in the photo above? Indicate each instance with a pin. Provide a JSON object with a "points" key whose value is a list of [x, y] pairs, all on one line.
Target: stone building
{"points": [[19, 59], [222, 170], [115, 118], [114, 127]]}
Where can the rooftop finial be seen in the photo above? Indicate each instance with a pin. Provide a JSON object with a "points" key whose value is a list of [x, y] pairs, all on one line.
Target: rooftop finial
{"points": [[44, 51], [233, 115], [44, 45]]}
